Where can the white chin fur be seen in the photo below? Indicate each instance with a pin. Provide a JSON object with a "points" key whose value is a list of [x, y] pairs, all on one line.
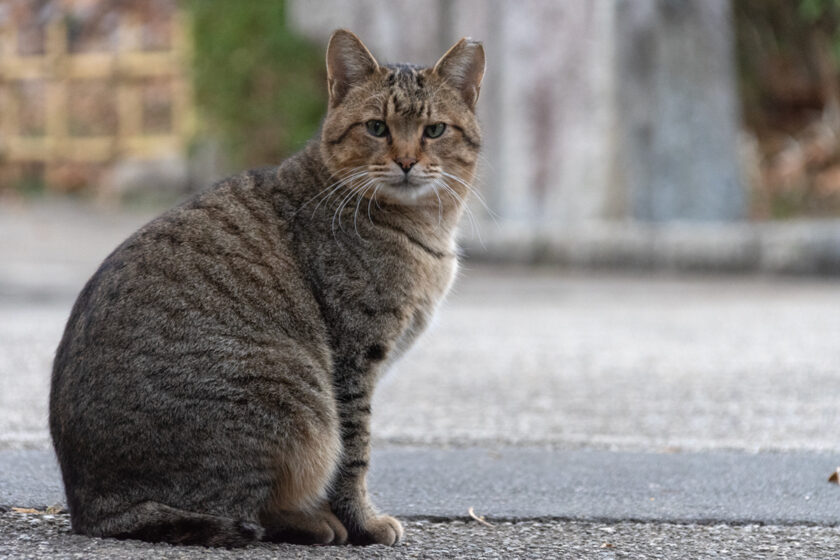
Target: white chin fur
{"points": [[408, 194]]}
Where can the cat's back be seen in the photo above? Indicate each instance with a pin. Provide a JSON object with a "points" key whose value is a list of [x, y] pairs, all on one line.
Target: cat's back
{"points": [[212, 274], [224, 248]]}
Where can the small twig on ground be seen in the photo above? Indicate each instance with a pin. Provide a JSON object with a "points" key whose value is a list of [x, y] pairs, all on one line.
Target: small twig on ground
{"points": [[51, 510], [25, 510], [480, 519]]}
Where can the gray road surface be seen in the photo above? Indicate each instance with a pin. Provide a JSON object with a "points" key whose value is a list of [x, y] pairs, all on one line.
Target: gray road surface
{"points": [[517, 356], [570, 361], [529, 483], [47, 537], [544, 396]]}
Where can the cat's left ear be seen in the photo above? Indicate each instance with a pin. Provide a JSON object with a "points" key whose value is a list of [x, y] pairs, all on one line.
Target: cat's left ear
{"points": [[463, 68], [348, 63]]}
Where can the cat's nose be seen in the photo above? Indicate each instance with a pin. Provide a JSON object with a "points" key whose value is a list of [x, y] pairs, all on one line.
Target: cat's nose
{"points": [[406, 163]]}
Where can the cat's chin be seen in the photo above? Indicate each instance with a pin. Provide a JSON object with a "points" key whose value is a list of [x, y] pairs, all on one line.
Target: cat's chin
{"points": [[408, 192]]}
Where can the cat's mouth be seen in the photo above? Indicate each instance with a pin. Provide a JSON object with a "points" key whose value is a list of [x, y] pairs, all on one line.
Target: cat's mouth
{"points": [[406, 182]]}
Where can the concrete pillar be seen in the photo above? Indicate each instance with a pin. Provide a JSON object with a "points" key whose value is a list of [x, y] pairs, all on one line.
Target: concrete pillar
{"points": [[677, 111]]}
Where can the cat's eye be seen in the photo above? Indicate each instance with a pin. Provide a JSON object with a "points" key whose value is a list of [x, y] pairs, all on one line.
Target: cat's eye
{"points": [[377, 128], [434, 130]]}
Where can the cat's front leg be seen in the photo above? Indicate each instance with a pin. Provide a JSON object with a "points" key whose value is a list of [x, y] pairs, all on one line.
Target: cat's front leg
{"points": [[348, 498]]}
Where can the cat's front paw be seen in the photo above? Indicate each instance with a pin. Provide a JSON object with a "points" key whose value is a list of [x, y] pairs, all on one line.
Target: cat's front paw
{"points": [[313, 527], [380, 529]]}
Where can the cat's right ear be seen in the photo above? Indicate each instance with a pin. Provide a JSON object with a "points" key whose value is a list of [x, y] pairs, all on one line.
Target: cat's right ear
{"points": [[462, 67], [348, 63]]}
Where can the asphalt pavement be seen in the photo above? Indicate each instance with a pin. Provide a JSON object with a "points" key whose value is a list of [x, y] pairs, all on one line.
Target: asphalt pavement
{"points": [[48, 537], [516, 484], [583, 414]]}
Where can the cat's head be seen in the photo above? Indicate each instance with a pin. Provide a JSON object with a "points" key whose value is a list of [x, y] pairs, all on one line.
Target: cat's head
{"points": [[402, 133]]}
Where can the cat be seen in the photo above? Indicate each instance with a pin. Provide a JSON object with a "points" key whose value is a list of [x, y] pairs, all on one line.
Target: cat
{"points": [[213, 384]]}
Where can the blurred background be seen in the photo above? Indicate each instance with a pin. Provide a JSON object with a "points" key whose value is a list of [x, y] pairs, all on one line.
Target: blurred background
{"points": [[675, 133], [622, 139]]}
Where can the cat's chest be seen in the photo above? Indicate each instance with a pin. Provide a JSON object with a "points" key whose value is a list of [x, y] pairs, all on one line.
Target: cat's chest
{"points": [[420, 314], [410, 296], [378, 306]]}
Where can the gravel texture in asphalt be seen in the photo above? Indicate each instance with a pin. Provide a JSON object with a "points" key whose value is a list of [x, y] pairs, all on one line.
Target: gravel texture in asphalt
{"points": [[26, 535]]}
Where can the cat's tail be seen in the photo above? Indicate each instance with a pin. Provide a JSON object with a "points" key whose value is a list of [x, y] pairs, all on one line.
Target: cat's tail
{"points": [[156, 522]]}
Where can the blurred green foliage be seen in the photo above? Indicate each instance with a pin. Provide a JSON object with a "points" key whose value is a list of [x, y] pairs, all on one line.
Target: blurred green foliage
{"points": [[812, 10], [793, 41], [789, 81], [824, 15], [781, 47], [258, 86]]}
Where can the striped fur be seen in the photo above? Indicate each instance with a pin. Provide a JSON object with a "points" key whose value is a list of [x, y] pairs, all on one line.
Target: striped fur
{"points": [[213, 384]]}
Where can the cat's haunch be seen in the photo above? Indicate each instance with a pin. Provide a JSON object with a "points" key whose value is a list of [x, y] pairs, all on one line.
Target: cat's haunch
{"points": [[214, 381]]}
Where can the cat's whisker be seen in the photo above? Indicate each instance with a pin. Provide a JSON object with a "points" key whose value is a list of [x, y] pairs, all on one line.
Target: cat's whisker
{"points": [[337, 212], [470, 186], [466, 185], [343, 204], [486, 161], [370, 185], [370, 200], [360, 194], [346, 175], [374, 185], [470, 215], [350, 174], [328, 197], [347, 181], [440, 202], [347, 186], [473, 191], [459, 200], [342, 174]]}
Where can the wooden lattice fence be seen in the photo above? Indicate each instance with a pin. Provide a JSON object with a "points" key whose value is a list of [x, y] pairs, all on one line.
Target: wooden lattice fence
{"points": [[93, 108]]}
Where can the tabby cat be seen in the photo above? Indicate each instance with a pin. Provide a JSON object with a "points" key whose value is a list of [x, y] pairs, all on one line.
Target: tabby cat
{"points": [[213, 384]]}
